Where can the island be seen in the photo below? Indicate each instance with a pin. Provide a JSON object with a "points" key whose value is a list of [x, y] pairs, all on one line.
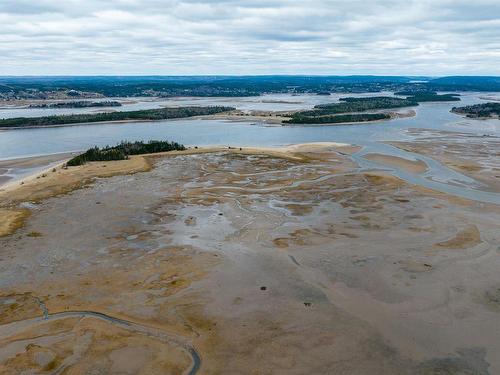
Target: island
{"points": [[347, 110], [77, 104], [142, 115], [123, 150], [428, 96], [483, 110]]}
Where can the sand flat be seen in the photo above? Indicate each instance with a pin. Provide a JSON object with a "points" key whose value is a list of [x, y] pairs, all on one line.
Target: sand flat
{"points": [[279, 261], [412, 166], [477, 157]]}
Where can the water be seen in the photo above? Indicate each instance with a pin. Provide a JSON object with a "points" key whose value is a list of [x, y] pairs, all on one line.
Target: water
{"points": [[191, 132], [268, 102]]}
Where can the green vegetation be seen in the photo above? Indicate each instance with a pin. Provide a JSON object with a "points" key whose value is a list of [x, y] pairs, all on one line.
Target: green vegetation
{"points": [[63, 87], [433, 97], [355, 117], [415, 90], [150, 114], [325, 113], [123, 150], [485, 110], [343, 111]]}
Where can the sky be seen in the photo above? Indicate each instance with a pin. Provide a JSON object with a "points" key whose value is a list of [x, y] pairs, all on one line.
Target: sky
{"points": [[236, 37]]}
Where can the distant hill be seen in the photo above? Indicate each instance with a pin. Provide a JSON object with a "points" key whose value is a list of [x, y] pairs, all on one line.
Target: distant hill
{"points": [[466, 83], [60, 87]]}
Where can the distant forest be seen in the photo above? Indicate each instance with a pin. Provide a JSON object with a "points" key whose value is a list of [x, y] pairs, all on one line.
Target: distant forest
{"points": [[149, 114], [164, 86]]}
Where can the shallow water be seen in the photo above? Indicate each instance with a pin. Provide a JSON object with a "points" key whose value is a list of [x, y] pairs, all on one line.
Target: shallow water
{"points": [[267, 102], [435, 116]]}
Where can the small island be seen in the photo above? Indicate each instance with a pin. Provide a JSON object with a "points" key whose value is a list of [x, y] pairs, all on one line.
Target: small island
{"points": [[123, 150], [77, 104], [348, 111], [428, 96], [352, 109], [142, 115], [483, 110]]}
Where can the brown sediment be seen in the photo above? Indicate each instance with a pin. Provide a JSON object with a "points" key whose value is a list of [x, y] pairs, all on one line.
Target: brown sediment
{"points": [[50, 184], [474, 156], [465, 238], [12, 220], [412, 166], [64, 180], [194, 249]]}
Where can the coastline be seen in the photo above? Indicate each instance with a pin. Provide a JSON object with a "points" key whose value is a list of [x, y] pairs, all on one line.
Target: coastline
{"points": [[203, 238], [268, 117], [15, 169], [56, 180]]}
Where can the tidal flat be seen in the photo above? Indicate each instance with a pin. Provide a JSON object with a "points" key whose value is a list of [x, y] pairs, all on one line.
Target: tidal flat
{"points": [[265, 261]]}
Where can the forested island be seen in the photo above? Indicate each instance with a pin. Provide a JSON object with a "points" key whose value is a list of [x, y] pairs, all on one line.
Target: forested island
{"points": [[150, 114], [123, 150], [421, 97], [336, 119], [484, 110], [78, 104], [344, 111]]}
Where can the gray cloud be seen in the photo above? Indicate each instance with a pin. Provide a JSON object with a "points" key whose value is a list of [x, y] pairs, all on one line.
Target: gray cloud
{"points": [[249, 37]]}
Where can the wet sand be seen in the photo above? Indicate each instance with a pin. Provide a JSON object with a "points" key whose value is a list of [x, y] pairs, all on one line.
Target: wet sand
{"points": [[260, 261], [11, 170], [477, 157], [412, 166]]}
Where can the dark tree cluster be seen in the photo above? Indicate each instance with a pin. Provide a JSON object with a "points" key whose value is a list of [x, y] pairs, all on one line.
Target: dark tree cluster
{"points": [[149, 114], [326, 113], [354, 117], [483, 110], [123, 150], [433, 97], [344, 111]]}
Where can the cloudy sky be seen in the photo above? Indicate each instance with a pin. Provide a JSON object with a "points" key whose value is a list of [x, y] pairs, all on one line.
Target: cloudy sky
{"points": [[78, 37]]}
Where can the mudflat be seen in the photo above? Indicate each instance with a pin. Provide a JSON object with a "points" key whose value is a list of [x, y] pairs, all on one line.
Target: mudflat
{"points": [[282, 261], [475, 156], [413, 166]]}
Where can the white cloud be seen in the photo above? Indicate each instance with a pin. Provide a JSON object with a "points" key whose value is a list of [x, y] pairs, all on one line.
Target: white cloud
{"points": [[249, 37]]}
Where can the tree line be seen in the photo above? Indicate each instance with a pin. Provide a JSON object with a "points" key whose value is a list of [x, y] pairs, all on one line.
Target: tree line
{"points": [[479, 110], [346, 110], [123, 150], [149, 114]]}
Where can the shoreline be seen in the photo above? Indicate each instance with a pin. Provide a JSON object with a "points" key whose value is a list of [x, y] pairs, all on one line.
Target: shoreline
{"points": [[55, 181], [16, 169], [264, 117]]}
